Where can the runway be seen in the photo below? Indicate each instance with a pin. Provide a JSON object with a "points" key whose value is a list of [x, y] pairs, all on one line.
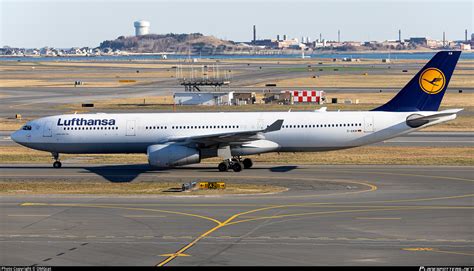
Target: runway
{"points": [[331, 215], [32, 101]]}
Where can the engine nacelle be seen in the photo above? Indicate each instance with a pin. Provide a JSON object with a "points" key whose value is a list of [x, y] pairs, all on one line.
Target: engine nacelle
{"points": [[169, 155]]}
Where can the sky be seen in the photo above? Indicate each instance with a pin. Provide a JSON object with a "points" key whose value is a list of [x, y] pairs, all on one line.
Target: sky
{"points": [[73, 23]]}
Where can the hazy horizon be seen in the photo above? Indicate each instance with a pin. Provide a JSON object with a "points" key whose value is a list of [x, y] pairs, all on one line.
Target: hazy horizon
{"points": [[64, 24]]}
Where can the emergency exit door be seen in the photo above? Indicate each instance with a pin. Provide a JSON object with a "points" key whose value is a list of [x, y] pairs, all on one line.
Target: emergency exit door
{"points": [[130, 128]]}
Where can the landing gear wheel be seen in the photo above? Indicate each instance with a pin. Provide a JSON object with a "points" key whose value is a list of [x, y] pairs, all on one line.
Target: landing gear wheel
{"points": [[247, 163], [56, 163], [223, 166], [237, 167]]}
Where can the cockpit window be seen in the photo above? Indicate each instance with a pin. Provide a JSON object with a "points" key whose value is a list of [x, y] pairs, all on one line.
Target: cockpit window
{"points": [[26, 127]]}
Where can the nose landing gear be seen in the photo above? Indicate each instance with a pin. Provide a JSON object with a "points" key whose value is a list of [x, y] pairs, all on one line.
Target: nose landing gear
{"points": [[57, 163], [236, 164]]}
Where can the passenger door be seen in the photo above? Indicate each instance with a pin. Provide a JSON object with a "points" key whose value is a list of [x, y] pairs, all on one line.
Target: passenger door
{"points": [[47, 129], [130, 128], [368, 124], [260, 124]]}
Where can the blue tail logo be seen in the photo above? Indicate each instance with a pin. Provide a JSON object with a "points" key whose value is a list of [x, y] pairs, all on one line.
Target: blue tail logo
{"points": [[425, 91]]}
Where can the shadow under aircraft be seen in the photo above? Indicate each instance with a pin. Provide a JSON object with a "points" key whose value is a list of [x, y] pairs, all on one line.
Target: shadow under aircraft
{"points": [[283, 168], [121, 173], [128, 173]]}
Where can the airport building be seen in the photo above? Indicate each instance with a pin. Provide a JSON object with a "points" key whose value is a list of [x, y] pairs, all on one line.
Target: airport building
{"points": [[243, 98], [214, 98], [295, 97], [425, 42], [203, 98], [278, 98]]}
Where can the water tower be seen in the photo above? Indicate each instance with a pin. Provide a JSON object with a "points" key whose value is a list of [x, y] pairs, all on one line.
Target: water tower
{"points": [[141, 28]]}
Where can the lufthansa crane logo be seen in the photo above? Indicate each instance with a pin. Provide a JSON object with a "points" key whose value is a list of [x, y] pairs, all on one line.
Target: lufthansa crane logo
{"points": [[432, 80]]}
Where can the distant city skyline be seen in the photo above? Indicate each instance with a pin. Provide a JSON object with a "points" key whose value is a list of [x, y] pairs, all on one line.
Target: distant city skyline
{"points": [[65, 24]]}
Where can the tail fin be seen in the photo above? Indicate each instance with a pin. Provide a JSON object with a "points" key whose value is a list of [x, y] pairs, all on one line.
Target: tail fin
{"points": [[426, 90]]}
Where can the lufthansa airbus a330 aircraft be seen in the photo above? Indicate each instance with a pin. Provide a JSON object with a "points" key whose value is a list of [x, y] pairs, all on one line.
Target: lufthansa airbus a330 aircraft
{"points": [[175, 139]]}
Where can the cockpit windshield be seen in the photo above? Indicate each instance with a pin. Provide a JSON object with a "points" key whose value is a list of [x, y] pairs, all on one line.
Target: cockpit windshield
{"points": [[26, 127]]}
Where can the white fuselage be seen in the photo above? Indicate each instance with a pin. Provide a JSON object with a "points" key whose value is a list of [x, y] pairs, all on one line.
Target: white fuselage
{"points": [[134, 133]]}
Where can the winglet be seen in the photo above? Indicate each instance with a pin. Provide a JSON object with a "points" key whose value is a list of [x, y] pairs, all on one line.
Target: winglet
{"points": [[276, 126]]}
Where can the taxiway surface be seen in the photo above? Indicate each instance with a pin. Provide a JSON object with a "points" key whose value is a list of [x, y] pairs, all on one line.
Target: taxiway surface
{"points": [[331, 215]]}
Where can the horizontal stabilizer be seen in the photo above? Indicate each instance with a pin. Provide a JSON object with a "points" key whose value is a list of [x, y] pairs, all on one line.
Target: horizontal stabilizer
{"points": [[417, 120]]}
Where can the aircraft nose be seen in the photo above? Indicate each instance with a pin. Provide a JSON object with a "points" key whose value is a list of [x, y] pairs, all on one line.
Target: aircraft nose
{"points": [[15, 136]]}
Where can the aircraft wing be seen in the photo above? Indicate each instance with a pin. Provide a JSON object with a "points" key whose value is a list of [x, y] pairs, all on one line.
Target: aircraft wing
{"points": [[227, 137]]}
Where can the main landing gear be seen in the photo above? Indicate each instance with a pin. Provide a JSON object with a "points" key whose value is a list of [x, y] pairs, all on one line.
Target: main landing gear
{"points": [[236, 164], [57, 163]]}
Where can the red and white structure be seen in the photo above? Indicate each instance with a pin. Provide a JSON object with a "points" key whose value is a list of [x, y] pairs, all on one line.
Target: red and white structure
{"points": [[308, 96]]}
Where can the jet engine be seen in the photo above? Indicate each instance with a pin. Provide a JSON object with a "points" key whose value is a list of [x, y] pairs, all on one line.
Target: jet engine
{"points": [[169, 155]]}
